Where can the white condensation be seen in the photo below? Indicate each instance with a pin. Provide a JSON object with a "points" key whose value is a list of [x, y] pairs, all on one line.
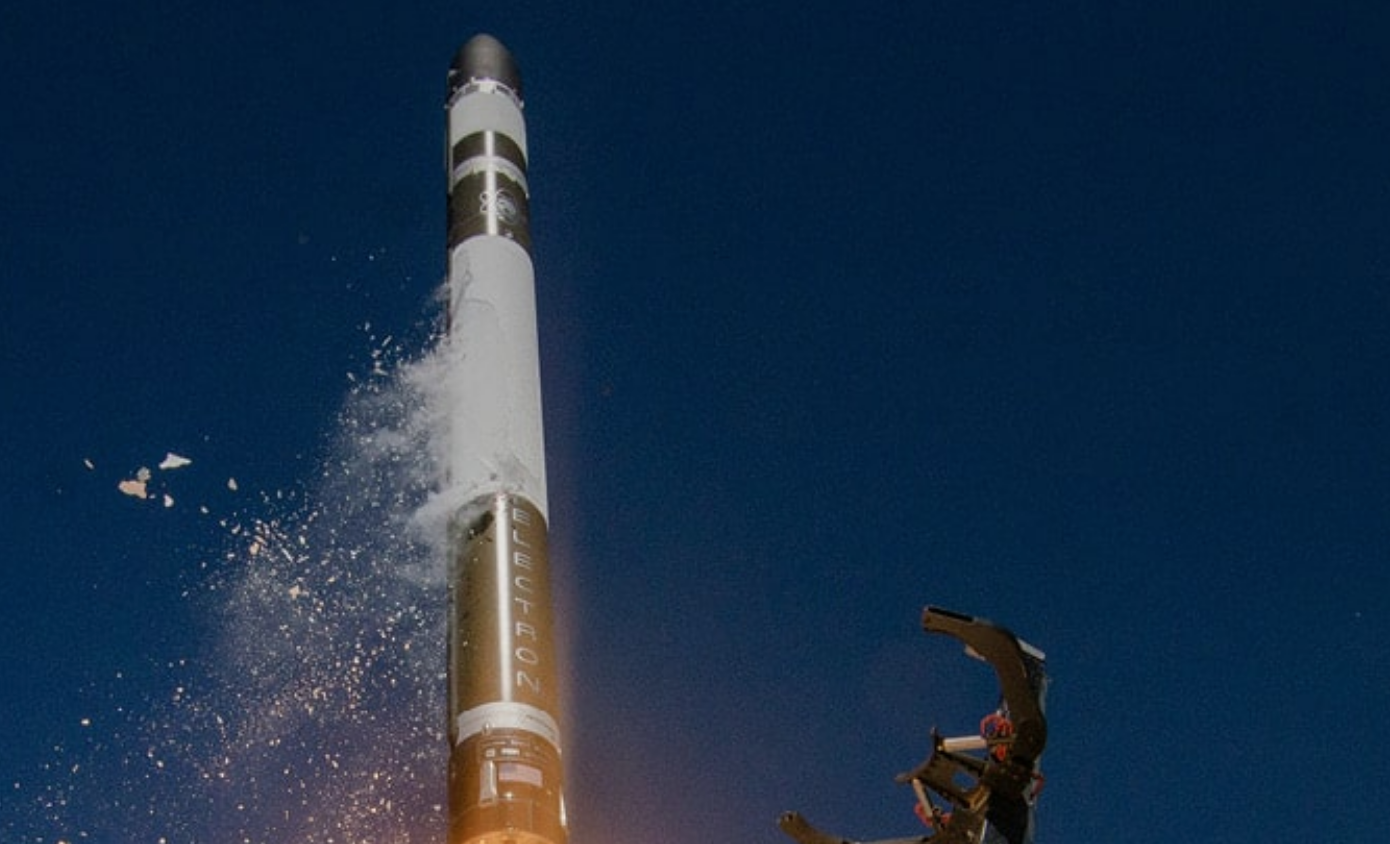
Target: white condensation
{"points": [[492, 389]]}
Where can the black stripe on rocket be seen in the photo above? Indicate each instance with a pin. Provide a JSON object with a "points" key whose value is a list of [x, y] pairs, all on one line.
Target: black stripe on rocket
{"points": [[502, 646], [487, 190]]}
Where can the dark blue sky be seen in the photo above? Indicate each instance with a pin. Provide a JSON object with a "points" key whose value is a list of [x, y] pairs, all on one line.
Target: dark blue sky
{"points": [[1072, 315]]}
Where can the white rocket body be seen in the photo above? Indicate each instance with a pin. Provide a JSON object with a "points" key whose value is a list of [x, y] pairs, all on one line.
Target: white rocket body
{"points": [[496, 438]]}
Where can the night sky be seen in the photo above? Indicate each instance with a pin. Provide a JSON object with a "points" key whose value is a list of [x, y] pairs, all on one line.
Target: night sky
{"points": [[1075, 316]]}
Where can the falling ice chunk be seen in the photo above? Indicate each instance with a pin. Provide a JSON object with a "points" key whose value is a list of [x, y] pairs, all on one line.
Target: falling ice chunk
{"points": [[134, 488], [142, 474], [87, 461], [231, 484], [168, 500], [174, 461]]}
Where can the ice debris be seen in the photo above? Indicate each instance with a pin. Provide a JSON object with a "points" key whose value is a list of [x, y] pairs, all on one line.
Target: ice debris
{"points": [[174, 461]]}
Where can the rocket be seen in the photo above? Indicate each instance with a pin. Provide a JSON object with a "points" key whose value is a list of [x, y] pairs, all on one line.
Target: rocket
{"points": [[505, 775]]}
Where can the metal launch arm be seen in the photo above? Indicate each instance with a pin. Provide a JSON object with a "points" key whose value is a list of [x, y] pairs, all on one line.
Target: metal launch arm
{"points": [[988, 782], [793, 824]]}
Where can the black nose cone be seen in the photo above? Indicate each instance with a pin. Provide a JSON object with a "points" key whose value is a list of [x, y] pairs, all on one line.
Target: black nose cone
{"points": [[484, 57]]}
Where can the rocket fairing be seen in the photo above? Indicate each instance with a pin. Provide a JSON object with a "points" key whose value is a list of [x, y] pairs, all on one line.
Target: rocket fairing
{"points": [[505, 774]]}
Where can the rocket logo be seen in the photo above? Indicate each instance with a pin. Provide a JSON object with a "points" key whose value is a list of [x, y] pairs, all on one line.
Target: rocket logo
{"points": [[501, 204]]}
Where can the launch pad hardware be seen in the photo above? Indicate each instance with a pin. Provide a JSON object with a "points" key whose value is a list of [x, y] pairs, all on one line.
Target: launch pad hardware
{"points": [[978, 789]]}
